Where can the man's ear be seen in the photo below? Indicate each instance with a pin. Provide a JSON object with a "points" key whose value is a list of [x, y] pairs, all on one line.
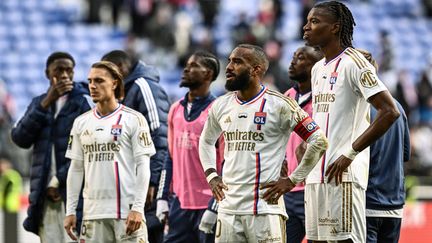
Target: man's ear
{"points": [[209, 74], [335, 28], [115, 83], [257, 71]]}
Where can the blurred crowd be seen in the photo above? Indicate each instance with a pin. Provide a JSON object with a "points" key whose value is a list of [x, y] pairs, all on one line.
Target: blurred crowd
{"points": [[165, 32]]}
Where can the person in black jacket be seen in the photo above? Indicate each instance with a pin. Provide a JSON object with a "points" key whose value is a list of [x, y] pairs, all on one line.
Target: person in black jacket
{"points": [[46, 126], [144, 94]]}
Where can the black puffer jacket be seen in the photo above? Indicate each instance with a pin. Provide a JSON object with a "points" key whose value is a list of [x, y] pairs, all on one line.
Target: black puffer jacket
{"points": [[39, 128]]}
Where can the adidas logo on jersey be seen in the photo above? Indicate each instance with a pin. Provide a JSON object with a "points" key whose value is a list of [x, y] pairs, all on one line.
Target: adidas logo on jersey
{"points": [[227, 120], [86, 133], [333, 231]]}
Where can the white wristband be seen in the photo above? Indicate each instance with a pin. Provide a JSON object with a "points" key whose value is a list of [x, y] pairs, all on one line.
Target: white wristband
{"points": [[211, 176], [350, 153]]}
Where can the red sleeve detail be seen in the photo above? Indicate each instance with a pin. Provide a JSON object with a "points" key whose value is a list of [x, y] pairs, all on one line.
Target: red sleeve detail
{"points": [[305, 128]]}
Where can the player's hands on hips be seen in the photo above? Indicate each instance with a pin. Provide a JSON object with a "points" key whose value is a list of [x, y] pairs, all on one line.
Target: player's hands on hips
{"points": [[217, 186], [336, 169], [284, 169], [53, 194], [277, 189], [133, 222], [150, 197], [69, 224]]}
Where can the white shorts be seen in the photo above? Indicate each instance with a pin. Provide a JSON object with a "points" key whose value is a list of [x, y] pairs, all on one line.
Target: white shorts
{"points": [[232, 228], [111, 230], [335, 212], [51, 229]]}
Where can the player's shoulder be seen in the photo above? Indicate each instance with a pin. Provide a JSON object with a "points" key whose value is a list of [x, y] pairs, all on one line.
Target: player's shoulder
{"points": [[224, 99], [176, 103], [319, 64], [277, 97], [83, 119], [84, 116], [133, 114], [355, 59]]}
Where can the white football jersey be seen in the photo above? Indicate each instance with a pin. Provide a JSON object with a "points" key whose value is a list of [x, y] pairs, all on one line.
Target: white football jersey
{"points": [[340, 89], [256, 134], [108, 147]]}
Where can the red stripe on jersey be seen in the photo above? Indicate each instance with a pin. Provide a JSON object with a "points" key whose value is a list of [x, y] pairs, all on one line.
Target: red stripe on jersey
{"points": [[337, 65], [261, 113], [323, 162], [117, 177], [257, 180], [119, 119], [338, 56], [117, 125], [305, 128]]}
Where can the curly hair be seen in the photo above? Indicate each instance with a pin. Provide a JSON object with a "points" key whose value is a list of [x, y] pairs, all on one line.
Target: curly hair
{"points": [[345, 18]]}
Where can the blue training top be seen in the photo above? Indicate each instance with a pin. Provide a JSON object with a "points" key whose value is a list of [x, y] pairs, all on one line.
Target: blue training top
{"points": [[386, 189]]}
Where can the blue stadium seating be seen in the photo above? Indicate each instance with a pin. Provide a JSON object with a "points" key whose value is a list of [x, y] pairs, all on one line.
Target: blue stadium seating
{"points": [[30, 30]]}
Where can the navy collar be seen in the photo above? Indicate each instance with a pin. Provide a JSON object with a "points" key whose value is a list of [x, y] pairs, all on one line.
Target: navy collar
{"points": [[198, 105]]}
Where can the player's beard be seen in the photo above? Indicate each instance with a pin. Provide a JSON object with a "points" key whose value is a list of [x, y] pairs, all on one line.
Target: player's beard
{"points": [[240, 82], [301, 77], [190, 84]]}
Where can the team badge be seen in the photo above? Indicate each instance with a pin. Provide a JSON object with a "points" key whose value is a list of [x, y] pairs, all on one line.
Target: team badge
{"points": [[368, 79], [260, 118], [306, 128], [310, 125], [333, 77], [116, 130]]}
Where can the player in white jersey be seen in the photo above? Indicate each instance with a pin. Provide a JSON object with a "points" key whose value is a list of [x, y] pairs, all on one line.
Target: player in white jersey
{"points": [[256, 124], [110, 148], [342, 85]]}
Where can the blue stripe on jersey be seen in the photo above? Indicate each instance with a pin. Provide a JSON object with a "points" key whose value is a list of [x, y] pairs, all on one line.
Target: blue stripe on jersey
{"points": [[257, 180], [117, 175]]}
